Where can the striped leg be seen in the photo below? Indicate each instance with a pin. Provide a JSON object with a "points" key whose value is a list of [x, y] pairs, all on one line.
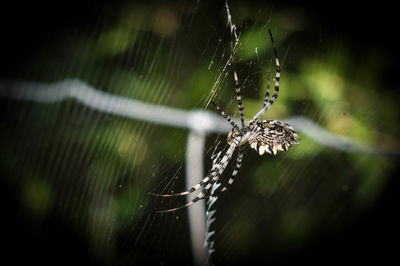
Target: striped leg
{"points": [[200, 196], [238, 165], [237, 88], [266, 98], [277, 71], [218, 169], [267, 104], [235, 75], [227, 117], [207, 179]]}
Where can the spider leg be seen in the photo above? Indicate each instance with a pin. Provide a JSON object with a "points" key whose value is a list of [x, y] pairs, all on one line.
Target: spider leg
{"points": [[235, 75], [200, 196], [192, 189], [267, 93], [227, 117], [267, 104], [237, 88], [277, 71], [217, 171], [238, 165]]}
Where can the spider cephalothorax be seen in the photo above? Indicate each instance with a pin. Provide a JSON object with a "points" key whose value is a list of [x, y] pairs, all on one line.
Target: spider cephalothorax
{"points": [[244, 133], [268, 136]]}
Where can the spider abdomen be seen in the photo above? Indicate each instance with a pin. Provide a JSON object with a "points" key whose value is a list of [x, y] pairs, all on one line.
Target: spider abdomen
{"points": [[272, 136]]}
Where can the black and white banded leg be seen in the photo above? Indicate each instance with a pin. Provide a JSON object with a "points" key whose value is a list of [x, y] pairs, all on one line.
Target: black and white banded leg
{"points": [[233, 64], [226, 116], [239, 159], [217, 171], [237, 88], [267, 104]]}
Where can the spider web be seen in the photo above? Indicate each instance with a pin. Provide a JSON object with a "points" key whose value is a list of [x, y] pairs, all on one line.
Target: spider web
{"points": [[76, 180]]}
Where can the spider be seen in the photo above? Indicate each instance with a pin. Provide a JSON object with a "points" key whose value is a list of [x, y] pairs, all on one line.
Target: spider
{"points": [[266, 136]]}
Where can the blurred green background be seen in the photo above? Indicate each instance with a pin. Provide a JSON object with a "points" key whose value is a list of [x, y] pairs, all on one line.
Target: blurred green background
{"points": [[75, 181]]}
